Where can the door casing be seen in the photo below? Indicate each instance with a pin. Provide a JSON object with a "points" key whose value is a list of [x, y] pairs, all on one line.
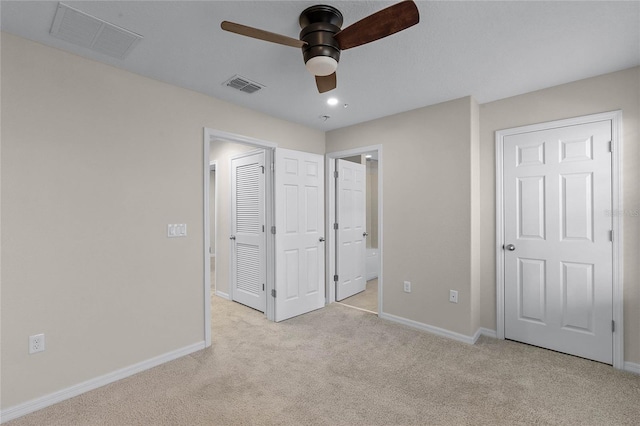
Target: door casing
{"points": [[211, 135], [617, 220]]}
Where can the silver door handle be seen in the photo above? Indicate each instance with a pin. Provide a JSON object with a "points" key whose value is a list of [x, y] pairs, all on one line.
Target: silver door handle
{"points": [[321, 239], [233, 237], [510, 247], [365, 234]]}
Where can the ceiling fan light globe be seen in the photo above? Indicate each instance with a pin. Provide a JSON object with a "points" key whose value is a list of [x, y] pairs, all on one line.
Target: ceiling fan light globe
{"points": [[322, 65]]}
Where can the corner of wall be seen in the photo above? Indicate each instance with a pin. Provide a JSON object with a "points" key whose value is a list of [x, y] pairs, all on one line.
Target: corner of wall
{"points": [[475, 272]]}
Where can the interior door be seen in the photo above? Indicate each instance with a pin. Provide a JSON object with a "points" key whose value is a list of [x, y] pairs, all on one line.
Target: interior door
{"points": [[351, 247], [299, 213], [558, 250], [248, 238]]}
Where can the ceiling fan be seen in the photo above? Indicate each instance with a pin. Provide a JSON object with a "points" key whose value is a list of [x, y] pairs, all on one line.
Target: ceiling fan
{"points": [[322, 39]]}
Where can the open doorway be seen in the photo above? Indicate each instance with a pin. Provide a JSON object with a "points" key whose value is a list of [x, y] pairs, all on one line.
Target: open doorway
{"points": [[355, 250], [284, 180]]}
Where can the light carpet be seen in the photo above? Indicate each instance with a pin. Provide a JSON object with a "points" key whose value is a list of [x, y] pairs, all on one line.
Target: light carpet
{"points": [[341, 366]]}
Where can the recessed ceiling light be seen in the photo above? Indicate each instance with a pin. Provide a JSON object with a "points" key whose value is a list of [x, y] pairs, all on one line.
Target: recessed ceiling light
{"points": [[332, 101]]}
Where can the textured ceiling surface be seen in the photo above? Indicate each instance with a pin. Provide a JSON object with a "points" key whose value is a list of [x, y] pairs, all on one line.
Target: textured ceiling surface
{"points": [[488, 49]]}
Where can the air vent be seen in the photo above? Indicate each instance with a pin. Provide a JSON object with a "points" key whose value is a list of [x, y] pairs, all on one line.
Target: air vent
{"points": [[85, 30], [243, 84]]}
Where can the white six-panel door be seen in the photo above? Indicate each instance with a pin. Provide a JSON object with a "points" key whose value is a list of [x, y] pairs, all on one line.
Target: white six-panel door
{"points": [[558, 249], [351, 186], [248, 255], [299, 213]]}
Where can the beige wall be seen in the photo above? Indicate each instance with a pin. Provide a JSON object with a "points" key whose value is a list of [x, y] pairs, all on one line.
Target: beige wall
{"points": [[620, 90], [427, 209], [96, 162], [222, 151], [372, 203]]}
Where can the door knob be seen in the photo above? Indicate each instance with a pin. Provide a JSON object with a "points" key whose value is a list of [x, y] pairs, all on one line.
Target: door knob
{"points": [[510, 247], [321, 239], [365, 234], [233, 237]]}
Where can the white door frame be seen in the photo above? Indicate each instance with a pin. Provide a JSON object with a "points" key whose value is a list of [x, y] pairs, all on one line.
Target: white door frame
{"points": [[330, 191], [211, 135], [212, 168], [616, 192]]}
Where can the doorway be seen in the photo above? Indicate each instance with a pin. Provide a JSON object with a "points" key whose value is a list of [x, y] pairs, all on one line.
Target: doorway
{"points": [[559, 263], [354, 242], [293, 239]]}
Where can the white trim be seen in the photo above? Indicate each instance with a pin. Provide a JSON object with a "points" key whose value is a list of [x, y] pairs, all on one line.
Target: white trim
{"points": [[632, 367], [207, 237], [80, 388], [617, 223], [330, 192], [223, 295], [211, 135], [431, 329]]}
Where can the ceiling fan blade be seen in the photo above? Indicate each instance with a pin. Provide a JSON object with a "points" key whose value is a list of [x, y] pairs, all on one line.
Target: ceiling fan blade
{"points": [[261, 34], [381, 24], [326, 83]]}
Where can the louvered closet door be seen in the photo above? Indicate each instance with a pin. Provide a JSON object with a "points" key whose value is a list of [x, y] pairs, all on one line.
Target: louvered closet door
{"points": [[247, 226]]}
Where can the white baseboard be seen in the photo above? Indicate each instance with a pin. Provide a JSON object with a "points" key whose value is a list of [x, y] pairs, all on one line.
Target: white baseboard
{"points": [[431, 329], [91, 384], [223, 295], [488, 332], [632, 367]]}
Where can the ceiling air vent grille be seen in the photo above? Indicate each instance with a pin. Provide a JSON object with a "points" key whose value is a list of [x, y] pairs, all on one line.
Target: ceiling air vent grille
{"points": [[85, 30], [243, 84]]}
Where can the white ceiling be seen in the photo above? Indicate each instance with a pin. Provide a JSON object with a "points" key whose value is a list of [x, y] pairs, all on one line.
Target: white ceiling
{"points": [[490, 50]]}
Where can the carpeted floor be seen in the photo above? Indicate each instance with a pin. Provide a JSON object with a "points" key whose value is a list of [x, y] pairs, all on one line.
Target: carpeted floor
{"points": [[367, 299], [341, 366]]}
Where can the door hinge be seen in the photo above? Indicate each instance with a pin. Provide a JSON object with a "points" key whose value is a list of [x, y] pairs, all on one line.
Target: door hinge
{"points": [[262, 286], [273, 230], [262, 228], [335, 278], [613, 326], [273, 292], [335, 226], [610, 146], [335, 174], [611, 235], [273, 167]]}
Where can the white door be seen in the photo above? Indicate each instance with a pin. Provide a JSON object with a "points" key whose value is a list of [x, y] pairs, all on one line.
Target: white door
{"points": [[351, 247], [299, 213], [248, 238], [558, 250]]}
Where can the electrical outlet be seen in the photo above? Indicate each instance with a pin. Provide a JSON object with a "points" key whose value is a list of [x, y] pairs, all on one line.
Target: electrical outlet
{"points": [[36, 343], [453, 296], [407, 287]]}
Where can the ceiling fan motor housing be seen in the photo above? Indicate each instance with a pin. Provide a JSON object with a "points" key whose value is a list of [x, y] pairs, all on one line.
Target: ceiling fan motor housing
{"points": [[319, 24]]}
